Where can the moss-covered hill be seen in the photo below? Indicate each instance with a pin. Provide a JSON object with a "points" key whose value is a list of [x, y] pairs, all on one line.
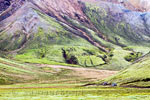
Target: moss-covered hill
{"points": [[136, 75], [92, 35]]}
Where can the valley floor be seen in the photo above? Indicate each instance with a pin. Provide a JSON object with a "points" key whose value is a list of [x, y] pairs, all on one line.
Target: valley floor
{"points": [[83, 73], [71, 92], [67, 85]]}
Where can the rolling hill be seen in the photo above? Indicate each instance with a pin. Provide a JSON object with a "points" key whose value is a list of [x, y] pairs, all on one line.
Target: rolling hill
{"points": [[136, 75]]}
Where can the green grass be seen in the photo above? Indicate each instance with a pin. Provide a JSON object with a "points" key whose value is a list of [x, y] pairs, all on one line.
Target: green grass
{"points": [[54, 55], [117, 62], [12, 72], [133, 56], [136, 75], [73, 93], [49, 85]]}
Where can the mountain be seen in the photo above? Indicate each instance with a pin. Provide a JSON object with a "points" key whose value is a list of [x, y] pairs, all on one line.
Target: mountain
{"points": [[107, 34]]}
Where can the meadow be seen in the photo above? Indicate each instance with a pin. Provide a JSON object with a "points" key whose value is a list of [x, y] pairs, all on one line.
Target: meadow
{"points": [[71, 92], [54, 82]]}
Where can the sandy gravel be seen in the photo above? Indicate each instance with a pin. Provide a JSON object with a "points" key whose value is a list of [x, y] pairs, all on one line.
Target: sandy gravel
{"points": [[90, 73]]}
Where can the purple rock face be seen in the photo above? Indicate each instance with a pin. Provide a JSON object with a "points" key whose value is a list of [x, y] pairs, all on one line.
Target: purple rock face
{"points": [[8, 7]]}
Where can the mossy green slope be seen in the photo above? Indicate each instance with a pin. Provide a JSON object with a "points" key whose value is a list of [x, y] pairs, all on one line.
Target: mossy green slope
{"points": [[45, 45], [137, 75], [51, 41], [114, 26]]}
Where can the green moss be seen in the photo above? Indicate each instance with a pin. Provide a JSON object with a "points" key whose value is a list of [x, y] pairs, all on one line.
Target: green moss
{"points": [[2, 81], [133, 56], [103, 22], [128, 48], [136, 75]]}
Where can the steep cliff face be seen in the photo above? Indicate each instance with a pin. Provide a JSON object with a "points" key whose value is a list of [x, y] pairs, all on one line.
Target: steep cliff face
{"points": [[61, 8], [4, 4], [8, 7], [86, 25]]}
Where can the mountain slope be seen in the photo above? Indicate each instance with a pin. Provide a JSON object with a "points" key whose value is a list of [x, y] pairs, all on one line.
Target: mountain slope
{"points": [[73, 32], [43, 36], [136, 75]]}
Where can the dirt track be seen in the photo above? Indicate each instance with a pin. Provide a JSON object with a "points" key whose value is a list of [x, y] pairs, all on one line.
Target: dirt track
{"points": [[63, 75], [88, 73]]}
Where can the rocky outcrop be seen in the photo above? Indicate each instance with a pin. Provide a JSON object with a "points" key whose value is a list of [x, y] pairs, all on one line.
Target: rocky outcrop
{"points": [[8, 7], [4, 4], [61, 8]]}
